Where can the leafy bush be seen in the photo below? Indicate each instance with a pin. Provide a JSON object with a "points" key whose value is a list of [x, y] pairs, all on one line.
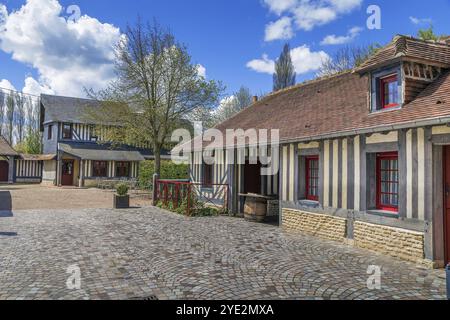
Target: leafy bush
{"points": [[198, 208], [169, 171], [122, 189]]}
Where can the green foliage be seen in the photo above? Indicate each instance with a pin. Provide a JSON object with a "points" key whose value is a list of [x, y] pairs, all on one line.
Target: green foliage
{"points": [[285, 75], [157, 75], [169, 170], [32, 144], [122, 189], [427, 34]]}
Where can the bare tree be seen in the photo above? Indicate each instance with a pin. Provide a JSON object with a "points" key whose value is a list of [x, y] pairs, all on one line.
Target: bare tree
{"points": [[233, 104], [2, 110], [285, 75], [346, 58], [158, 86], [10, 110], [19, 117]]}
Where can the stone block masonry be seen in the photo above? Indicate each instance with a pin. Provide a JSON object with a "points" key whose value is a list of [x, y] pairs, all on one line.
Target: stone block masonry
{"points": [[320, 225], [398, 243], [404, 244]]}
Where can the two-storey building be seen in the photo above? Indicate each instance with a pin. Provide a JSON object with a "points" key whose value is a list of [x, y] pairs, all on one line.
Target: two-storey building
{"points": [[82, 156]]}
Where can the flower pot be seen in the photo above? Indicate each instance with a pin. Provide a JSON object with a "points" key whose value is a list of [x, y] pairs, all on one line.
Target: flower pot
{"points": [[121, 202]]}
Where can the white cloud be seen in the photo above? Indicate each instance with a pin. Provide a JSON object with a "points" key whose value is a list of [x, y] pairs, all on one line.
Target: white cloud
{"points": [[279, 30], [68, 56], [263, 65], [308, 14], [303, 58], [3, 15], [5, 84], [336, 40], [34, 87], [280, 6], [418, 21], [201, 70]]}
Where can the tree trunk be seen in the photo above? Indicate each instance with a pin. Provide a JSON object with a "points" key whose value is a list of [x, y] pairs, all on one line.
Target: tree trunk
{"points": [[157, 152]]}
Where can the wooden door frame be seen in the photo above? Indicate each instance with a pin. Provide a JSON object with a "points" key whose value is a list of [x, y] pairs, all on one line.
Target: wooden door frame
{"points": [[62, 172], [446, 220]]}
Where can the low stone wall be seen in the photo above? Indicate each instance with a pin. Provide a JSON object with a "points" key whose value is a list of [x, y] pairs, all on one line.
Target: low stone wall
{"points": [[28, 180], [404, 244], [320, 225]]}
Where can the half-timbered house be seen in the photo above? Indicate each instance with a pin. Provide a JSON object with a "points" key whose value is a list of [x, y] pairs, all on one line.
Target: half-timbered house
{"points": [[364, 155], [82, 155]]}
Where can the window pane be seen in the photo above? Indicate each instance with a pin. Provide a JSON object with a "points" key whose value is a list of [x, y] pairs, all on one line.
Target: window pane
{"points": [[388, 179]]}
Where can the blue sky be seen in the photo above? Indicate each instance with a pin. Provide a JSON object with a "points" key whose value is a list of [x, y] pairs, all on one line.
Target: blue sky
{"points": [[222, 35]]}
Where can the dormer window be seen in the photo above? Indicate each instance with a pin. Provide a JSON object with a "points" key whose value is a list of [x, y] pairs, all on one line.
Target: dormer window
{"points": [[386, 89], [389, 92]]}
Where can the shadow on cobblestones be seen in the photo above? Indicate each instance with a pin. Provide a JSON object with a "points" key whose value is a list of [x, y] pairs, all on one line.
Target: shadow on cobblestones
{"points": [[152, 253]]}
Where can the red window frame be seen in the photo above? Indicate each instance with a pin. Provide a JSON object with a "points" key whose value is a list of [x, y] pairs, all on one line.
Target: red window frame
{"points": [[310, 176], [391, 156], [383, 82]]}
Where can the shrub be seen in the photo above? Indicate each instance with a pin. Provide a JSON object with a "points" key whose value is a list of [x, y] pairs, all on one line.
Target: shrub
{"points": [[169, 171], [198, 208], [122, 189]]}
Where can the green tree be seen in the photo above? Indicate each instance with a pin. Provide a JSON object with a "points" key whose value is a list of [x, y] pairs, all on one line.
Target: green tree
{"points": [[428, 34], [157, 87], [285, 75]]}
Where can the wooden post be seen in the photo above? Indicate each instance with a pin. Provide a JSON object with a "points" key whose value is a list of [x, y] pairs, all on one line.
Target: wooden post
{"points": [[155, 189], [81, 170]]}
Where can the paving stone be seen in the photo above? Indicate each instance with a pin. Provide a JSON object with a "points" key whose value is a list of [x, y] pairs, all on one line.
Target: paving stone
{"points": [[141, 253]]}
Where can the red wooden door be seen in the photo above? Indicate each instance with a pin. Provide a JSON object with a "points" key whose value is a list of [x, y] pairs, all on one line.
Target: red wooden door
{"points": [[4, 168], [67, 173], [447, 204]]}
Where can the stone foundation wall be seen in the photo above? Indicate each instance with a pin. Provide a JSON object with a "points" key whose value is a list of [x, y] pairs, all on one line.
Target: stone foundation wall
{"points": [[404, 244], [398, 243], [323, 226]]}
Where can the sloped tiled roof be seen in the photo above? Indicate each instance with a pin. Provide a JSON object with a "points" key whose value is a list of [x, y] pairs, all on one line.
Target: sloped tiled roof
{"points": [[66, 109], [101, 152], [337, 106], [408, 48], [6, 149]]}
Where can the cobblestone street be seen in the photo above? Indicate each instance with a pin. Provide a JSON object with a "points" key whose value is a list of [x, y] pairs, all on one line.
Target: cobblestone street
{"points": [[143, 253]]}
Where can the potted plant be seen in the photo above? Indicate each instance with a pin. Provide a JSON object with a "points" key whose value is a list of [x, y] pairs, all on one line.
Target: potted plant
{"points": [[122, 199]]}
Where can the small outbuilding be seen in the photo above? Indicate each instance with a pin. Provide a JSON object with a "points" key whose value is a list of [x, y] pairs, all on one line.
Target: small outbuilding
{"points": [[7, 156]]}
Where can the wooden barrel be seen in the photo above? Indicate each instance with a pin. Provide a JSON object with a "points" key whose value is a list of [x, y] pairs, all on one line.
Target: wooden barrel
{"points": [[255, 209]]}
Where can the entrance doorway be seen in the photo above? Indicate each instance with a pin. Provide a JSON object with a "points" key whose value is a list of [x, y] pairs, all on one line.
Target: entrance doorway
{"points": [[447, 203], [67, 172], [4, 171], [252, 178]]}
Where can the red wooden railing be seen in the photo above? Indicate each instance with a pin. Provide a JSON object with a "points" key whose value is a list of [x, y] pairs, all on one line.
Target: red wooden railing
{"points": [[177, 192]]}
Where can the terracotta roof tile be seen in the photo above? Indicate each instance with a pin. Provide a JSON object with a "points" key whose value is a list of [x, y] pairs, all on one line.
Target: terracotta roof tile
{"points": [[6, 149], [408, 48]]}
